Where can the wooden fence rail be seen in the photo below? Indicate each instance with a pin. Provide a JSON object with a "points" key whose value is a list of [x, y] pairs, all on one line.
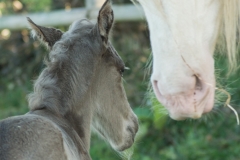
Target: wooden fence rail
{"points": [[66, 17]]}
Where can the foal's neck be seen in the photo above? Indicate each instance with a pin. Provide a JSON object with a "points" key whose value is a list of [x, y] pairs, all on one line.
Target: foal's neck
{"points": [[64, 92]]}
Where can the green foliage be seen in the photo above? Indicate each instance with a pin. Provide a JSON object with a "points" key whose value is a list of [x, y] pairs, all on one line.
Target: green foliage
{"points": [[13, 102], [159, 113], [36, 5], [21, 6], [134, 50]]}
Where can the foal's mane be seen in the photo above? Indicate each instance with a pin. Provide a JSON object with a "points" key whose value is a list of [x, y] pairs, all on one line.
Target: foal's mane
{"points": [[46, 87], [229, 27], [57, 83]]}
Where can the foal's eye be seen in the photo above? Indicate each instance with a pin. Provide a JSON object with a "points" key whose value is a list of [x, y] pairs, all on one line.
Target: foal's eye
{"points": [[122, 71]]}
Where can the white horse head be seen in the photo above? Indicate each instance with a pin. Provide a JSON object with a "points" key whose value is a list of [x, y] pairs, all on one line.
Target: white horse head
{"points": [[183, 37]]}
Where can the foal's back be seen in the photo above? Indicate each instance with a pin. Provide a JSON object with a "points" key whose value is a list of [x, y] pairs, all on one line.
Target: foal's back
{"points": [[21, 139]]}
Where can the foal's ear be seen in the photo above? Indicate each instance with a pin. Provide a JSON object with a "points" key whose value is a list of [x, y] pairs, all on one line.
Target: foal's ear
{"points": [[49, 36], [105, 21]]}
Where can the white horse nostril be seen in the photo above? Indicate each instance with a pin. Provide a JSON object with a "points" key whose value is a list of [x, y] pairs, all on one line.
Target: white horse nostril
{"points": [[156, 90], [186, 98], [199, 84]]}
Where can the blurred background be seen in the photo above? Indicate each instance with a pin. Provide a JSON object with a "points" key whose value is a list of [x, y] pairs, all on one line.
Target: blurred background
{"points": [[214, 137]]}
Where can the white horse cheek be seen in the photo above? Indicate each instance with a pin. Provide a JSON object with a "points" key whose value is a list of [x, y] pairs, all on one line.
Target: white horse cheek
{"points": [[183, 67]]}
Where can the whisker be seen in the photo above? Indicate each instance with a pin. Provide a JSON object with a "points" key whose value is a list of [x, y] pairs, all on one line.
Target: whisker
{"points": [[127, 68], [229, 106]]}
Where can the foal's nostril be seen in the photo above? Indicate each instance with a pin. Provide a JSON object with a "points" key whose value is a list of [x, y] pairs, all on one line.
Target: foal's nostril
{"points": [[131, 130], [135, 121]]}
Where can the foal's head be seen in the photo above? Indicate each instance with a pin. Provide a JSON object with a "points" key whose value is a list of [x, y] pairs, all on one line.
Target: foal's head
{"points": [[90, 70], [112, 117]]}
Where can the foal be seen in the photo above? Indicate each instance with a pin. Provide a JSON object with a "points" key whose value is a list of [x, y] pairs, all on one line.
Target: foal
{"points": [[80, 87]]}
